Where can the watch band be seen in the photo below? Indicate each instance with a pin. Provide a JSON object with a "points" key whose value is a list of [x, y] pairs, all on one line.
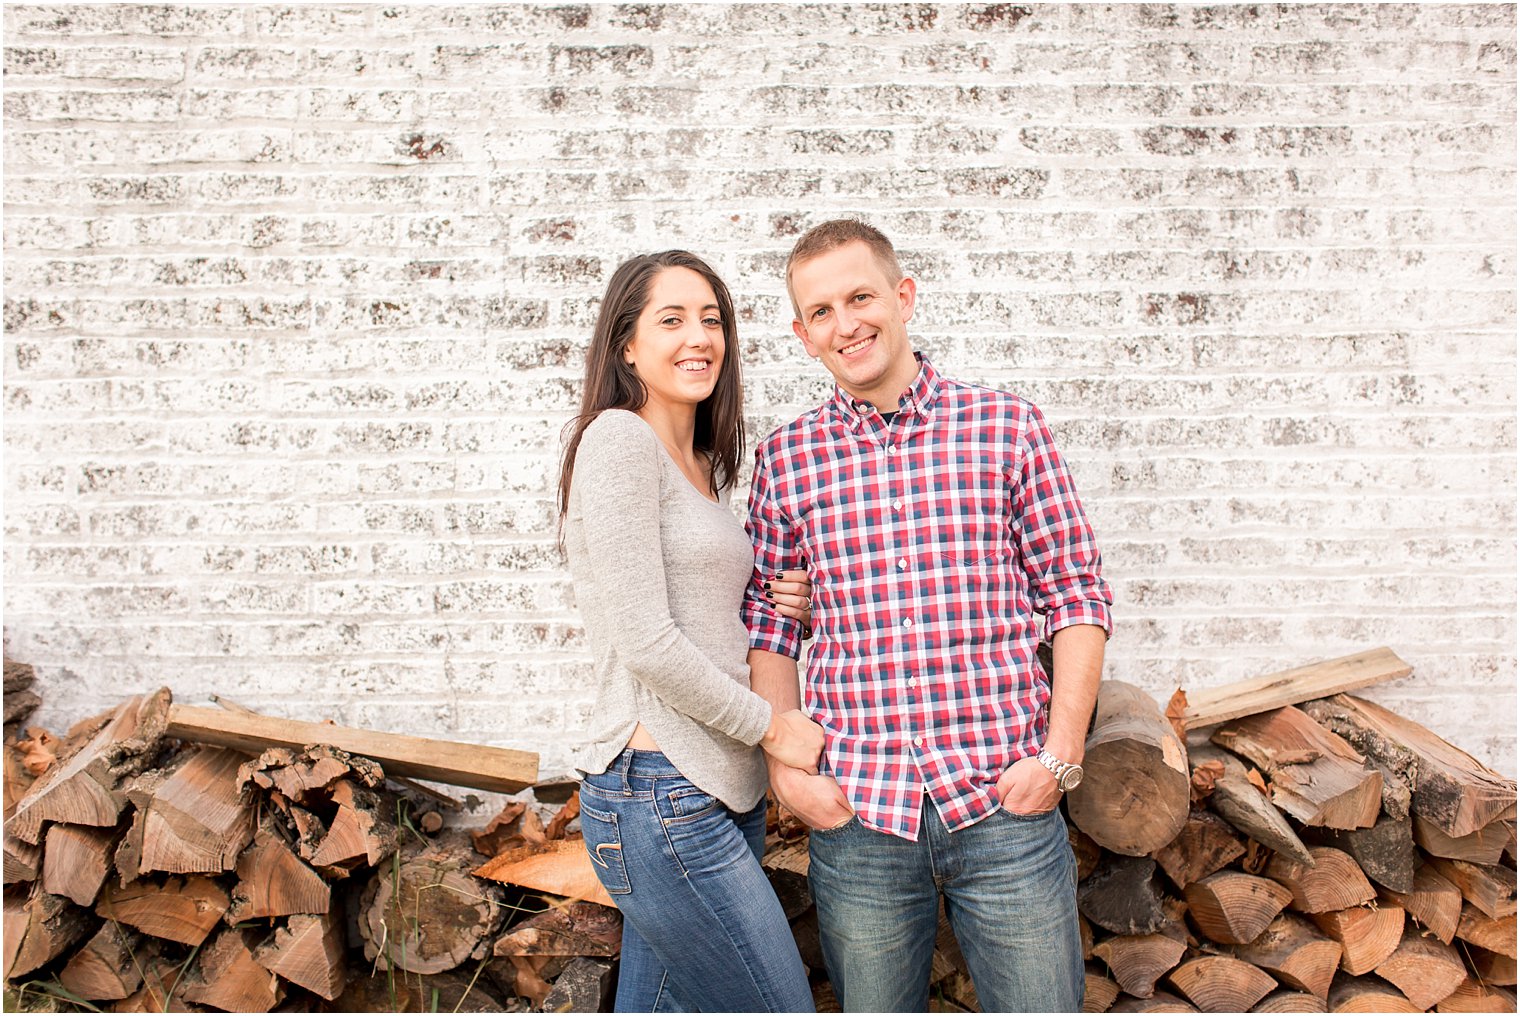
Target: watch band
{"points": [[1060, 770]]}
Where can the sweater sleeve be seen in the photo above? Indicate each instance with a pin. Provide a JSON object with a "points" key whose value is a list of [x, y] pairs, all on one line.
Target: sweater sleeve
{"points": [[617, 483]]}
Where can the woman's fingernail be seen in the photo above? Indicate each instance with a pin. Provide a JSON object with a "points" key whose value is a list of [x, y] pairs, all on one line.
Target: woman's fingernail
{"points": [[766, 584]]}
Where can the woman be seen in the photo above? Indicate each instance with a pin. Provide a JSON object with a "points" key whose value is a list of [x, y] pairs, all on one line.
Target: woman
{"points": [[673, 801]]}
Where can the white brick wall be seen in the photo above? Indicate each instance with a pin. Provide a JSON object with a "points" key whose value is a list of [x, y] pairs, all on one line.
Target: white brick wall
{"points": [[295, 299]]}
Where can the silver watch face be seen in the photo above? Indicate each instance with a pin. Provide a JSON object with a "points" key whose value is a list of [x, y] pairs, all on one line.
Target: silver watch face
{"points": [[1071, 778]]}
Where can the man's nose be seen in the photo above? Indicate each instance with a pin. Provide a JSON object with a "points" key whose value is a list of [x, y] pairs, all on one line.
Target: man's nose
{"points": [[845, 322]]}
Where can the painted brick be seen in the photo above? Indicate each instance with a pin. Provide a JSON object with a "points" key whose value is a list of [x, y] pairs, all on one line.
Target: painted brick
{"points": [[297, 299]]}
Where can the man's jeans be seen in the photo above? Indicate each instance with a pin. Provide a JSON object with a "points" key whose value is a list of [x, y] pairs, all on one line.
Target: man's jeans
{"points": [[1010, 895], [702, 929]]}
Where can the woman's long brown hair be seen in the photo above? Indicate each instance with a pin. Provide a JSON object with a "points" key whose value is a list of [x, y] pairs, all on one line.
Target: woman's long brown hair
{"points": [[612, 383]]}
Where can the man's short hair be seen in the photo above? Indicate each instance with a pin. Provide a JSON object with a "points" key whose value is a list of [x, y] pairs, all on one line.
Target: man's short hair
{"points": [[835, 233]]}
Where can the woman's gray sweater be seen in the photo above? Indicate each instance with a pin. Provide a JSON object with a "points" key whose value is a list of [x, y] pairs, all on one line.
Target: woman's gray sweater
{"points": [[659, 574]]}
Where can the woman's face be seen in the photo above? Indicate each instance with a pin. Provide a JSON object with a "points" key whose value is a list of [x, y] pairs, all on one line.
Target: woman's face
{"points": [[677, 346]]}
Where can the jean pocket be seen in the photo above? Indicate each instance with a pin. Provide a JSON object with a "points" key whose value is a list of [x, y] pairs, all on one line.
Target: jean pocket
{"points": [[604, 845], [834, 830], [1033, 816], [689, 802]]}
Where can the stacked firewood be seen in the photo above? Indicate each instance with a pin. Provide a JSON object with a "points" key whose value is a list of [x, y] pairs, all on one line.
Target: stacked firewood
{"points": [[1277, 845], [1309, 852], [148, 871]]}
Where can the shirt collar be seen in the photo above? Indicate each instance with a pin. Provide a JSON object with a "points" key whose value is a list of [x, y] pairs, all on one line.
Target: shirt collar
{"points": [[917, 398]]}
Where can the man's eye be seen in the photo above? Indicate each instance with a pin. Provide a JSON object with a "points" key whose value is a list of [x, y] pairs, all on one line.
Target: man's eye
{"points": [[862, 296], [820, 312]]}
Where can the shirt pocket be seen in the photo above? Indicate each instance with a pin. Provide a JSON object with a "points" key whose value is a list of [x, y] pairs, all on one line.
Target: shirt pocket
{"points": [[604, 845]]}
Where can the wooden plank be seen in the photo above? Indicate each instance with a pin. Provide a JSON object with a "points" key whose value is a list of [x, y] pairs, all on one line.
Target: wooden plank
{"points": [[463, 765], [1208, 706]]}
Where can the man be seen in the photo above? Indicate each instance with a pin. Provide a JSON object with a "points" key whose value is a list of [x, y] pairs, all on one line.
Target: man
{"points": [[944, 537]]}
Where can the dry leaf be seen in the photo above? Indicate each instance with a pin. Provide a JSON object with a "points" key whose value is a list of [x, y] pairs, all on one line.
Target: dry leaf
{"points": [[1256, 858], [532, 829], [495, 837], [1256, 781], [562, 817], [38, 750], [1176, 714], [1205, 774]]}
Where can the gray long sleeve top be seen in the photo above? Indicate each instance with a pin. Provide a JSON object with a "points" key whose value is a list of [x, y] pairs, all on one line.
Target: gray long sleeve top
{"points": [[659, 573]]}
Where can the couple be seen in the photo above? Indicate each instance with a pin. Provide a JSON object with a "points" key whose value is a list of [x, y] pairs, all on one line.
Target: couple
{"points": [[940, 539]]}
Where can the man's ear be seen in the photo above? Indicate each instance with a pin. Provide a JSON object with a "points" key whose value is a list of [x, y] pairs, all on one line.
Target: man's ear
{"points": [[800, 330], [907, 297]]}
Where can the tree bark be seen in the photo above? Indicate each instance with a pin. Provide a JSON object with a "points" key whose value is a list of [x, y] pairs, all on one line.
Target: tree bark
{"points": [[1453, 790], [1122, 897]]}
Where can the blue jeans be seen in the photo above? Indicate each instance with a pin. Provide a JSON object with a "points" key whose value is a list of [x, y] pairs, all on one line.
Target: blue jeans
{"points": [[1010, 886], [702, 929]]}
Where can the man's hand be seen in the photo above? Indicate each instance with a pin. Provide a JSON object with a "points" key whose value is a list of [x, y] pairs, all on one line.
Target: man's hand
{"points": [[816, 800], [1028, 788]]}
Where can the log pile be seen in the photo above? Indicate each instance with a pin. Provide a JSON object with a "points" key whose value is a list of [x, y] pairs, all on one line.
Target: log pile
{"points": [[1281, 845], [159, 858], [1323, 854]]}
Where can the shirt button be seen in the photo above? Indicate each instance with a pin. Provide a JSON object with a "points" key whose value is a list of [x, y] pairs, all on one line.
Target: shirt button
{"points": [[912, 682], [918, 742], [897, 505], [907, 622], [902, 564], [891, 449]]}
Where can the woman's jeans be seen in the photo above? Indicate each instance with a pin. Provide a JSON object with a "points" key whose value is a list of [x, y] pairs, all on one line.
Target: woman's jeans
{"points": [[1009, 883], [702, 929]]}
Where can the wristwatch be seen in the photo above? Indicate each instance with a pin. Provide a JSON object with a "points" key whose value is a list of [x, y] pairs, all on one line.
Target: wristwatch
{"points": [[1068, 774]]}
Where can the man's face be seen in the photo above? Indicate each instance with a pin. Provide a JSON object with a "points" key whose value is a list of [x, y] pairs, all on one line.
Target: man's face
{"points": [[854, 320]]}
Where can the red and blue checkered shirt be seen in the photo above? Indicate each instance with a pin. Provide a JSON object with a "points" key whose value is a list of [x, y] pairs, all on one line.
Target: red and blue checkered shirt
{"points": [[941, 546]]}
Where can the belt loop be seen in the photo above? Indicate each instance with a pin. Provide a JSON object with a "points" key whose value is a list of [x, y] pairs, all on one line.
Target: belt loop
{"points": [[625, 768]]}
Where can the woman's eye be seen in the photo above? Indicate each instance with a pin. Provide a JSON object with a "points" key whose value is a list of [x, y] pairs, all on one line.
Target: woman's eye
{"points": [[670, 321], [713, 322]]}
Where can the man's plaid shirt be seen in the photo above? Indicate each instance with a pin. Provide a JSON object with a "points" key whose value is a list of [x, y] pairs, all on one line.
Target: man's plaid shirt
{"points": [[941, 547]]}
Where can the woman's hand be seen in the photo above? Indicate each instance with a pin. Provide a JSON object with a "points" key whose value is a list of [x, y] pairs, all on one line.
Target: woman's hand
{"points": [[794, 740], [792, 595]]}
